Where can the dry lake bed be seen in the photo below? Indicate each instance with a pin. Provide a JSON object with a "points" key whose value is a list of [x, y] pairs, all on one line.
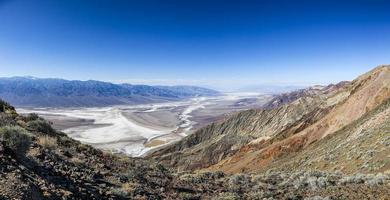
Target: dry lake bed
{"points": [[137, 129]]}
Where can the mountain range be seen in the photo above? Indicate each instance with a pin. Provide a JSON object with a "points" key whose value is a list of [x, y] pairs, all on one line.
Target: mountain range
{"points": [[36, 92], [319, 143]]}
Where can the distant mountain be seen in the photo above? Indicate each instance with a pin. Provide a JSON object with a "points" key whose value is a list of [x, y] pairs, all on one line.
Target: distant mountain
{"points": [[30, 91], [289, 97], [269, 89]]}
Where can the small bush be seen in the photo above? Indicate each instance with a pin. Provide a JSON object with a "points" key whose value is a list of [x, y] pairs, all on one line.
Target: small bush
{"points": [[41, 126], [16, 139], [6, 120], [188, 196], [65, 141], [239, 181], [119, 192], [31, 117], [4, 106], [48, 142], [317, 198], [375, 180], [228, 196], [128, 188]]}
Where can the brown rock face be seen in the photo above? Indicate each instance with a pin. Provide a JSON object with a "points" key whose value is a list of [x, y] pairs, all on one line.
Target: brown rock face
{"points": [[255, 140]]}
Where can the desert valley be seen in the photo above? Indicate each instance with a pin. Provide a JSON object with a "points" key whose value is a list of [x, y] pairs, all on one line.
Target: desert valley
{"points": [[194, 100], [137, 129]]}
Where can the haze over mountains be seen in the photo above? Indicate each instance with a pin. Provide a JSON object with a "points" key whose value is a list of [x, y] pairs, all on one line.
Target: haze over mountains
{"points": [[36, 92]]}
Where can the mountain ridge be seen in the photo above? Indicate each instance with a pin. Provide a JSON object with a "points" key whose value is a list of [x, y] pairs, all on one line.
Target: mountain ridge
{"points": [[53, 92], [289, 125]]}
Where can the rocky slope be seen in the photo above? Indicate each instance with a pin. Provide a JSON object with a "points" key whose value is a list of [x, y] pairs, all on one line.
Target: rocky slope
{"points": [[352, 102], [38, 162], [323, 143], [277, 120], [256, 140]]}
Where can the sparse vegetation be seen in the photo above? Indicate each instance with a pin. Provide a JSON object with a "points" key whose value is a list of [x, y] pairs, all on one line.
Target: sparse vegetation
{"points": [[41, 127], [31, 117], [6, 120], [4, 106], [47, 142], [15, 139]]}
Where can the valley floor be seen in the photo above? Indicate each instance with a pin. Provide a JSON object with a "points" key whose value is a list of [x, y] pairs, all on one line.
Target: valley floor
{"points": [[138, 129]]}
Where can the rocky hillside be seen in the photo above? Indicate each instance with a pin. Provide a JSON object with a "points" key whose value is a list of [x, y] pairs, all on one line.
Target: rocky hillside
{"points": [[38, 162], [328, 143], [278, 119], [263, 139], [30, 91]]}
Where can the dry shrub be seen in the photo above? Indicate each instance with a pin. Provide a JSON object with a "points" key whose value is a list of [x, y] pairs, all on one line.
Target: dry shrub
{"points": [[16, 139], [48, 142]]}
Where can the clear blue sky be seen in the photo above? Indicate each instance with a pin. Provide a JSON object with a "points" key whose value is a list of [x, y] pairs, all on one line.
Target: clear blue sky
{"points": [[201, 42]]}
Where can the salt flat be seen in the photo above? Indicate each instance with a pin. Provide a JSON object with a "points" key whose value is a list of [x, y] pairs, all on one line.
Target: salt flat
{"points": [[137, 129]]}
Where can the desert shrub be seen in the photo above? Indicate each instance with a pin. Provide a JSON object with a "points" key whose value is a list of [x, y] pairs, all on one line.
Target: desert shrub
{"points": [[83, 147], [354, 179], [16, 139], [120, 192], [238, 182], [228, 196], [65, 141], [4, 106], [368, 179], [128, 188], [201, 177], [31, 117], [188, 196], [6, 120], [41, 126], [256, 195], [189, 178], [375, 180], [21, 123], [317, 198], [239, 179], [219, 174], [138, 173], [322, 182], [48, 142]]}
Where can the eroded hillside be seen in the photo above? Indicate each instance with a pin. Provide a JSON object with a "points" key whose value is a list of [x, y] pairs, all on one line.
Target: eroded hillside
{"points": [[256, 140], [38, 162]]}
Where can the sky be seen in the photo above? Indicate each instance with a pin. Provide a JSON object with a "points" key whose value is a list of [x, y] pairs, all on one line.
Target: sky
{"points": [[217, 43]]}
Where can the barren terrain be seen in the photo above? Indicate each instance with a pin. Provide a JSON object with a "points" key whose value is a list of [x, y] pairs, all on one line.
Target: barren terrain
{"points": [[137, 129]]}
